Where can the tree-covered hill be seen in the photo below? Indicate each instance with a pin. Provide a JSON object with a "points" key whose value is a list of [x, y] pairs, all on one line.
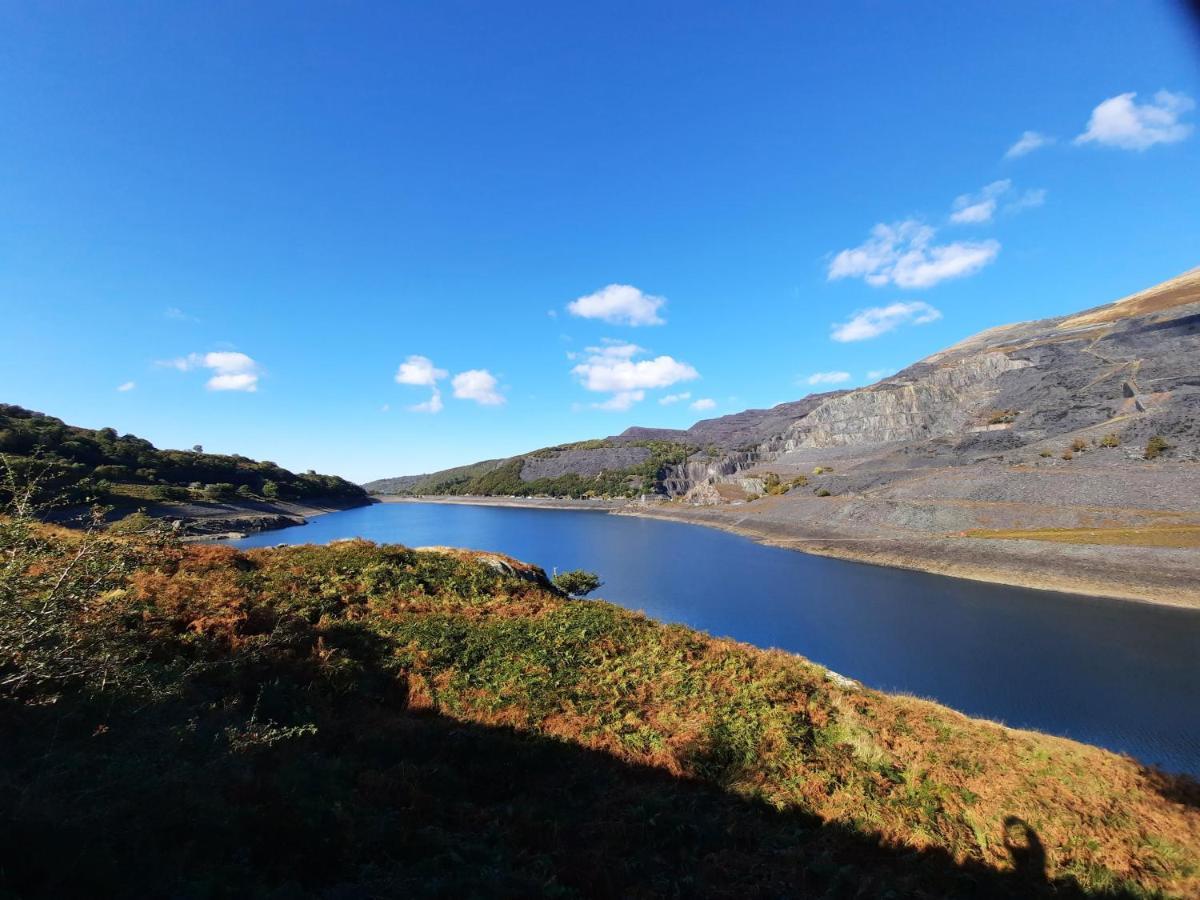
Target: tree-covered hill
{"points": [[82, 465], [607, 467]]}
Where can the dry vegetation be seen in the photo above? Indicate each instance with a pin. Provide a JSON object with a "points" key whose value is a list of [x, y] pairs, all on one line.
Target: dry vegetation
{"points": [[1183, 536], [201, 722]]}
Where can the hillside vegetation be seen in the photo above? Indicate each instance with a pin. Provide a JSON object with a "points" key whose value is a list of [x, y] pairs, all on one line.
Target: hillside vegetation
{"points": [[596, 468], [374, 721], [86, 465]]}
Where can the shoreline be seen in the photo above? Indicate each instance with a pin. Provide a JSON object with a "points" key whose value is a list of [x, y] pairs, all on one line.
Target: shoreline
{"points": [[239, 520], [1045, 566]]}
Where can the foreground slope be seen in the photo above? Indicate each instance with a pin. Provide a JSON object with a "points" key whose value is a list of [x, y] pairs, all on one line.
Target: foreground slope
{"points": [[361, 720]]}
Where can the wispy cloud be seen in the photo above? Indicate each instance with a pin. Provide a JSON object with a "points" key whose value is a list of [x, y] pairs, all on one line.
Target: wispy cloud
{"points": [[612, 368], [478, 385], [432, 405], [1030, 199], [1027, 143], [703, 403], [876, 320], [619, 304], [1121, 121], [127, 386], [232, 371], [975, 209], [175, 314], [827, 378], [675, 398], [903, 254]]}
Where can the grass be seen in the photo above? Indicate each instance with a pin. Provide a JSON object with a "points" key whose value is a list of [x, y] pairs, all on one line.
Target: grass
{"points": [[1181, 536], [367, 720]]}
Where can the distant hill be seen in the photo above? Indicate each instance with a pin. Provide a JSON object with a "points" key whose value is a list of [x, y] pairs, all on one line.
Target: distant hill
{"points": [[82, 464], [1132, 366]]}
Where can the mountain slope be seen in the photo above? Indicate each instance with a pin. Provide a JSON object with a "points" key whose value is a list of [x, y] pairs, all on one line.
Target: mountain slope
{"points": [[1132, 367]]}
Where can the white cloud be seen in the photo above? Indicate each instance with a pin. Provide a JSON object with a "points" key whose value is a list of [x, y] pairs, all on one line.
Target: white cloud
{"points": [[675, 398], [1030, 199], [974, 209], [1122, 122], [619, 304], [419, 370], [612, 369], [232, 371], [828, 377], [385, 407], [902, 253], [1027, 143], [877, 320], [478, 385], [432, 405], [621, 401], [127, 386], [704, 403]]}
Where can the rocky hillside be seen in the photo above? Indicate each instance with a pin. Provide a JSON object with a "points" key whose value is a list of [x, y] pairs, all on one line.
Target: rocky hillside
{"points": [[1121, 375]]}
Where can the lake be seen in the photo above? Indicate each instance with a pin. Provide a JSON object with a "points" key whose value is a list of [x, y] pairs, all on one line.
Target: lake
{"points": [[1122, 675]]}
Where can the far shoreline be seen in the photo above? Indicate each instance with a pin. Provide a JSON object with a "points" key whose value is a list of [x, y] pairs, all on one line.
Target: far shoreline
{"points": [[1045, 567]]}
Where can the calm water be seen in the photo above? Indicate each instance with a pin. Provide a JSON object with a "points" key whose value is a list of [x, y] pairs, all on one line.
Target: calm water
{"points": [[1122, 675]]}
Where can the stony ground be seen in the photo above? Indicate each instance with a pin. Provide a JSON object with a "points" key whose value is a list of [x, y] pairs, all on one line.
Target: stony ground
{"points": [[924, 518]]}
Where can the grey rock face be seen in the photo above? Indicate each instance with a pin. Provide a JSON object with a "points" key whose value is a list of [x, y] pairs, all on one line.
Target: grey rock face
{"points": [[582, 462]]}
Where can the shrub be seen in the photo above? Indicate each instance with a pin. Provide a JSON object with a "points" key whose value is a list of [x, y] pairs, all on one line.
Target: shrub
{"points": [[1046, 453], [822, 492], [1110, 440], [822, 470], [1067, 454], [1079, 445], [577, 582], [1155, 447], [1002, 416], [134, 523], [169, 492], [218, 491]]}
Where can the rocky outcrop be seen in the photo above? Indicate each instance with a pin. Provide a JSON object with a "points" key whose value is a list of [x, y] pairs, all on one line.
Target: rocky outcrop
{"points": [[498, 562], [938, 402]]}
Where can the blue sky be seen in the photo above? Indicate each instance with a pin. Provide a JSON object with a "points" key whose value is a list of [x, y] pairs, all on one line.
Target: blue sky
{"points": [[281, 227]]}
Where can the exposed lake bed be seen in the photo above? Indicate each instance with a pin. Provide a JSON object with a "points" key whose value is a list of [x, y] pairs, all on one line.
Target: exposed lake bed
{"points": [[1120, 675]]}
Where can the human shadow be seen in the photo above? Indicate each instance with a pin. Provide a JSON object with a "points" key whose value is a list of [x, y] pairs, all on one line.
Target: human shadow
{"points": [[386, 802]]}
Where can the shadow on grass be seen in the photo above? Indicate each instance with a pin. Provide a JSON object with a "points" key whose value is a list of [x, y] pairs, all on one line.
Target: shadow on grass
{"points": [[385, 804]]}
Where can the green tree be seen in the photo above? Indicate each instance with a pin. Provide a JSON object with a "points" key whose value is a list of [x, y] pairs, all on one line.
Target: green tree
{"points": [[577, 582]]}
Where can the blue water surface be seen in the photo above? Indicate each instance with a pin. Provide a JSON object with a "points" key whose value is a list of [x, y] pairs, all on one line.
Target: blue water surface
{"points": [[1122, 675]]}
